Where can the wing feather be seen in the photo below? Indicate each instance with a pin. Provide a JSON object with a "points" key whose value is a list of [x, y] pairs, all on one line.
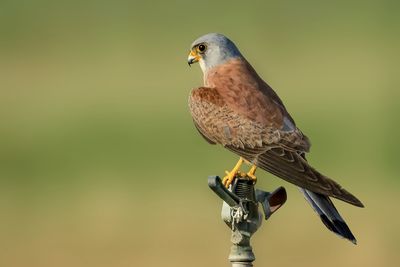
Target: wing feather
{"points": [[275, 150]]}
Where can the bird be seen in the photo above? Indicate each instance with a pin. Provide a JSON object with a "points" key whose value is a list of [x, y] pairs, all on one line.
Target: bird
{"points": [[237, 109]]}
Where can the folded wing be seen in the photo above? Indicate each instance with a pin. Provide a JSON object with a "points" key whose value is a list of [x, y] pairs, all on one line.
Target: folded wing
{"points": [[278, 151]]}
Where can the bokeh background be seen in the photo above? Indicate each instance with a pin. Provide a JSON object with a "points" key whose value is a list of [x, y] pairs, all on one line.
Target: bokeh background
{"points": [[100, 164]]}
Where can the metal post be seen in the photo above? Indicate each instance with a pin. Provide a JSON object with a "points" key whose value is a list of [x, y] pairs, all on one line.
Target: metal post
{"points": [[241, 213]]}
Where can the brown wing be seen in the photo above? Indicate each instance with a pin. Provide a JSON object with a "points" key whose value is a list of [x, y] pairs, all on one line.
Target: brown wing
{"points": [[274, 150], [292, 167], [203, 135]]}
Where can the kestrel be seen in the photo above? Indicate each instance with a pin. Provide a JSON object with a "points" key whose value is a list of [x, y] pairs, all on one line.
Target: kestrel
{"points": [[237, 109]]}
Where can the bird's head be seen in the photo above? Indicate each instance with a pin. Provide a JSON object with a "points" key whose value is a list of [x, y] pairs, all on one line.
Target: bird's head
{"points": [[211, 50]]}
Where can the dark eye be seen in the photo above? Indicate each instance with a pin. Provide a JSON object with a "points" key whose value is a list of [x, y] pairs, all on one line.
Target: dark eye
{"points": [[202, 48]]}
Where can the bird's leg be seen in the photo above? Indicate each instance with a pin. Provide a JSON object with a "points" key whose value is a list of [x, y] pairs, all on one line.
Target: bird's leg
{"points": [[252, 173], [230, 176]]}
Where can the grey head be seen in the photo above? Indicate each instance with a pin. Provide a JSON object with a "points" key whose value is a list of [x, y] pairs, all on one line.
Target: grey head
{"points": [[211, 50]]}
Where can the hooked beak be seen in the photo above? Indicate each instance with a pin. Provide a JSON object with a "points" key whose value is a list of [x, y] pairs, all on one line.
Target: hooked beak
{"points": [[193, 58]]}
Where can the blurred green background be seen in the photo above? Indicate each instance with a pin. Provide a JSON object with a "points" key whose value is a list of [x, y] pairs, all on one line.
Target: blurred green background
{"points": [[100, 164]]}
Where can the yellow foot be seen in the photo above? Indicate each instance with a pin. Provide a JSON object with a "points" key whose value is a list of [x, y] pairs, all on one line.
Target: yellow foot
{"points": [[230, 176], [252, 173], [235, 172]]}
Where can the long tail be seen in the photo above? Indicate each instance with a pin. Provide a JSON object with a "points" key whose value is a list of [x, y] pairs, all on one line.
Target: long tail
{"points": [[329, 215]]}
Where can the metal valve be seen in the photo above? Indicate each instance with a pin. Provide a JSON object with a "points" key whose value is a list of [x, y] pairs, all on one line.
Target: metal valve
{"points": [[241, 213]]}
